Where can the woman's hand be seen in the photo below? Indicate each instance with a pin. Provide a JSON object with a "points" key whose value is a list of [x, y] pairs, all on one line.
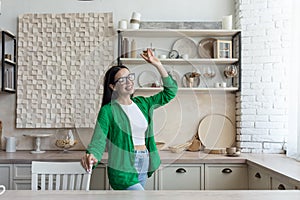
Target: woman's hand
{"points": [[150, 58], [87, 161]]}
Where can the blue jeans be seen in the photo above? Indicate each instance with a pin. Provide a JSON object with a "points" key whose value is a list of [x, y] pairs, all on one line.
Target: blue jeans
{"points": [[141, 164]]}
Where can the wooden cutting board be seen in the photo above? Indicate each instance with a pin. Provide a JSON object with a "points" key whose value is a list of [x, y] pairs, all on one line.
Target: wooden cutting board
{"points": [[215, 151], [216, 132]]}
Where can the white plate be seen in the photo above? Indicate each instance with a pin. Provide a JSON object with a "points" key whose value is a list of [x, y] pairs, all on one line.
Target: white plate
{"points": [[206, 48], [185, 46], [147, 78], [216, 131]]}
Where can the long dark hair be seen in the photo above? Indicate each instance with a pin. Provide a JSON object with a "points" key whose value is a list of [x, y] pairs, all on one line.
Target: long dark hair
{"points": [[109, 78]]}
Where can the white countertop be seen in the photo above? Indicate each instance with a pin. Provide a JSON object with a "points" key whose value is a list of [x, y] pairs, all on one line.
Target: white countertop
{"points": [[140, 195]]}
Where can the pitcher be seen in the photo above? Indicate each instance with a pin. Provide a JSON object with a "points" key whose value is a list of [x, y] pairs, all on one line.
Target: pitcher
{"points": [[10, 144]]}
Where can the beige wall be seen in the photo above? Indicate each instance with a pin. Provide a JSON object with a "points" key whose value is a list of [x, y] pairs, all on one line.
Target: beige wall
{"points": [[194, 10]]}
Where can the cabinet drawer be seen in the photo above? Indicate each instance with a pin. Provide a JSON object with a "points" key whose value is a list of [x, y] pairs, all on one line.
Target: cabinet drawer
{"points": [[226, 177], [22, 171], [258, 179], [181, 177], [22, 184], [280, 185]]}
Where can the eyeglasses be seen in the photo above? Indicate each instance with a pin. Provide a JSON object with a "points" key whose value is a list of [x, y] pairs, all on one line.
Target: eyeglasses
{"points": [[122, 80]]}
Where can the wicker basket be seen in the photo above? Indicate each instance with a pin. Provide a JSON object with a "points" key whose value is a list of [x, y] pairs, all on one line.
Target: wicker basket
{"points": [[180, 147]]}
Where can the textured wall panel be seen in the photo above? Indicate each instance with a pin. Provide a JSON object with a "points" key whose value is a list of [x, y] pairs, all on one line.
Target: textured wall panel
{"points": [[61, 60]]}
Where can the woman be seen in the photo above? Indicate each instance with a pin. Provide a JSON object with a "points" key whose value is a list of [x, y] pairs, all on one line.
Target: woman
{"points": [[125, 126]]}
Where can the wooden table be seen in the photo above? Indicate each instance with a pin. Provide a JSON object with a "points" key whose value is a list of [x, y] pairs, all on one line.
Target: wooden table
{"points": [[166, 195]]}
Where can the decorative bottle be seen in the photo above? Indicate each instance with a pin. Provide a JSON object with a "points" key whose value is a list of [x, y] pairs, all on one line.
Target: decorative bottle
{"points": [[133, 48]]}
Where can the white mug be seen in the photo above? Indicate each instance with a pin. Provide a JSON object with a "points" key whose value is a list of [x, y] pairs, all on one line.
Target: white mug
{"points": [[3, 189], [217, 85], [163, 56], [231, 150], [185, 56], [123, 24]]}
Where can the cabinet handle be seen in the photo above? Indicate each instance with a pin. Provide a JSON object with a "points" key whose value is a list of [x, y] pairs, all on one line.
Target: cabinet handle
{"points": [[257, 175], [281, 187], [180, 170], [226, 171]]}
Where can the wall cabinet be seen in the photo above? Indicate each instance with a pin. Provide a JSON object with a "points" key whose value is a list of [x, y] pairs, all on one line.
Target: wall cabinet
{"points": [[181, 177], [211, 69], [8, 62], [226, 177]]}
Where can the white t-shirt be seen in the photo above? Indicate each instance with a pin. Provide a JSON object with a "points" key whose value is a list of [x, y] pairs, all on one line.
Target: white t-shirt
{"points": [[138, 123]]}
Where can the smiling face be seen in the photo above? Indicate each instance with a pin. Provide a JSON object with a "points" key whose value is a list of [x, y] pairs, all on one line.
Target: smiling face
{"points": [[124, 83]]}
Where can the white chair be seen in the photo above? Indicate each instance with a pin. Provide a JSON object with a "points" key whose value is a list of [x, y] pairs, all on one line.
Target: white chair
{"points": [[59, 176]]}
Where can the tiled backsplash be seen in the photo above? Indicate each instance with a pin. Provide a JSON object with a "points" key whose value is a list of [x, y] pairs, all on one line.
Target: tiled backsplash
{"points": [[61, 60]]}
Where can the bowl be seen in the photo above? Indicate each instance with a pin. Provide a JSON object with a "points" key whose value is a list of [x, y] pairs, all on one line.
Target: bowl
{"points": [[176, 149], [65, 143]]}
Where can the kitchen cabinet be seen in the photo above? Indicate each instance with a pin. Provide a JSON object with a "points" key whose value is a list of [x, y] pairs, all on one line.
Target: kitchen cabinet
{"points": [[5, 175], [8, 62], [99, 180], [18, 177], [151, 183], [181, 177], [211, 69], [21, 177], [279, 184], [226, 177], [259, 179]]}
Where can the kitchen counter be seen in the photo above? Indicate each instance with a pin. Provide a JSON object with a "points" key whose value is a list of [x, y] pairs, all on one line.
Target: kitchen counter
{"points": [[278, 163], [174, 195], [25, 157]]}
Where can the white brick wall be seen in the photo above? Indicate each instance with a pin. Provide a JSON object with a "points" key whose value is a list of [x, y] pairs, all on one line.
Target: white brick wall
{"points": [[261, 111]]}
